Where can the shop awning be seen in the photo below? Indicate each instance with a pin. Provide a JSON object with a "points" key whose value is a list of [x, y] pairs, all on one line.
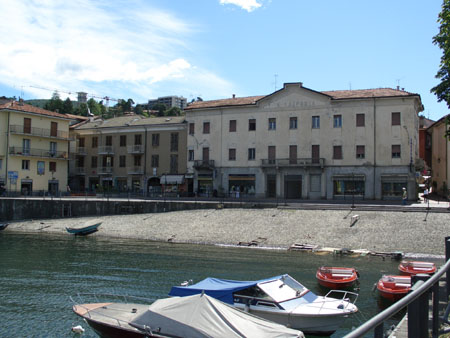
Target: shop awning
{"points": [[349, 177], [241, 178], [171, 179]]}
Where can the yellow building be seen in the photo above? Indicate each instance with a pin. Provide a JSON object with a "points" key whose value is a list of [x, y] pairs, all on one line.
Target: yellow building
{"points": [[440, 156], [33, 149]]}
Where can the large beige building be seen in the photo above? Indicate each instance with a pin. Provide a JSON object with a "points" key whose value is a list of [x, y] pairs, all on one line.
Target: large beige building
{"points": [[300, 143], [130, 153], [34, 145]]}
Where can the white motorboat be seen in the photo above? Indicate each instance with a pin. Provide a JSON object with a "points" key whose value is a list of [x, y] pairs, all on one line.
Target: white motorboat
{"points": [[280, 299]]}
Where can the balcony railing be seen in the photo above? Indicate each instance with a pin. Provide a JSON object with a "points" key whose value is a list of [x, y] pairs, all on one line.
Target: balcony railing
{"points": [[81, 151], [204, 164], [80, 171], [20, 151], [41, 132], [106, 150], [105, 170], [293, 162], [135, 170], [136, 149]]}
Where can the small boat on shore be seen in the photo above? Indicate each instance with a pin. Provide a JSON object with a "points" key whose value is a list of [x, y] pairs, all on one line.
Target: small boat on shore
{"points": [[414, 267], [3, 226], [280, 299], [336, 277], [195, 316], [394, 287], [87, 228]]}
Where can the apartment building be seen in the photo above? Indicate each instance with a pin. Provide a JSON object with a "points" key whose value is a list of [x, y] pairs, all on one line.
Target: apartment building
{"points": [[304, 144], [34, 146], [440, 156], [130, 153], [169, 101]]}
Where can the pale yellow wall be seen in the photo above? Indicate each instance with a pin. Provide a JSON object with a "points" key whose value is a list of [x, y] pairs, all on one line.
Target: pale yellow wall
{"points": [[3, 142], [440, 155]]}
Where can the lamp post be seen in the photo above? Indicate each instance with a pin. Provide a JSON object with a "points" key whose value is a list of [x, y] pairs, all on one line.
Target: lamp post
{"points": [[353, 191]]}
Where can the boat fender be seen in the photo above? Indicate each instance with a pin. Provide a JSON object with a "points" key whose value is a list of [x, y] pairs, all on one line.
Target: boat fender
{"points": [[77, 329]]}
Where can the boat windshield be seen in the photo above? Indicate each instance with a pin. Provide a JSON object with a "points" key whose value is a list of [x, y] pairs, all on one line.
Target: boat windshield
{"points": [[283, 289]]}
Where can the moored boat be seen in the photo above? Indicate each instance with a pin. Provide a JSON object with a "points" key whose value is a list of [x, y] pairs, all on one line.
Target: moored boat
{"points": [[393, 287], [414, 267], [3, 226], [280, 299], [187, 317], [336, 277], [87, 228]]}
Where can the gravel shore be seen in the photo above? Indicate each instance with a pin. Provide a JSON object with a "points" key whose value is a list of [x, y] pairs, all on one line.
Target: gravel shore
{"points": [[408, 232]]}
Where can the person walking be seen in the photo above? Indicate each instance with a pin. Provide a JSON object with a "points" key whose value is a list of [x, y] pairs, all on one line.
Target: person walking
{"points": [[404, 196], [425, 195]]}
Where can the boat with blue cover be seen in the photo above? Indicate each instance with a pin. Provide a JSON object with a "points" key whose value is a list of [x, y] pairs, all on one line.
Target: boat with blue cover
{"points": [[280, 299]]}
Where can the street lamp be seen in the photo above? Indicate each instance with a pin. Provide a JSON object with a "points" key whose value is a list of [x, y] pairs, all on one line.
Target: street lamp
{"points": [[353, 191]]}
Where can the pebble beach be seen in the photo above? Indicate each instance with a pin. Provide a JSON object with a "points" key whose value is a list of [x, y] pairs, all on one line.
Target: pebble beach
{"points": [[412, 233]]}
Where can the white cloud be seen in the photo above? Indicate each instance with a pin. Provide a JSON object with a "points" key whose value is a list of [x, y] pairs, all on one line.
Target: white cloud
{"points": [[100, 46], [248, 5]]}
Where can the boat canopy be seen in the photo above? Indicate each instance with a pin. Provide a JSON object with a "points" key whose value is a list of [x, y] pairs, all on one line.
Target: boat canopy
{"points": [[221, 289], [203, 316]]}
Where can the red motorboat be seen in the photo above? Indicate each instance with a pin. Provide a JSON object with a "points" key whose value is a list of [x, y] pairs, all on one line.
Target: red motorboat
{"points": [[336, 278], [394, 287], [414, 267]]}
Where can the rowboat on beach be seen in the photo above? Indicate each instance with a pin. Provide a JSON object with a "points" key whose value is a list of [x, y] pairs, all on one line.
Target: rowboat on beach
{"points": [[195, 316], [336, 277], [394, 287], [414, 267], [280, 299], [3, 226], [88, 228]]}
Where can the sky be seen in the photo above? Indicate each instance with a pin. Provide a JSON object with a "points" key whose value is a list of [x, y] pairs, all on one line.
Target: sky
{"points": [[144, 49]]}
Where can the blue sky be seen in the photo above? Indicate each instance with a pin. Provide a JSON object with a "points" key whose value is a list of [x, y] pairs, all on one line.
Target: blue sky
{"points": [[142, 49]]}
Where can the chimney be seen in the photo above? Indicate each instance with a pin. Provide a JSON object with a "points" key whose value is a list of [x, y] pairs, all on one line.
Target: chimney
{"points": [[234, 96], [20, 101], [398, 87]]}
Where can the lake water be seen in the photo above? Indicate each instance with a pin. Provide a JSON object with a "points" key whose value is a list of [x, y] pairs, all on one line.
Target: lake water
{"points": [[38, 273]]}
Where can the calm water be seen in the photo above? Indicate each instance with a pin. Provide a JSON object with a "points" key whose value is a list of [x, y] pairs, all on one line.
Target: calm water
{"points": [[38, 273]]}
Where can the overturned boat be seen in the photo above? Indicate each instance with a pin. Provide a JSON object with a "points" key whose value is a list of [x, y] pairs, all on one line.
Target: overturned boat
{"points": [[188, 317], [280, 299]]}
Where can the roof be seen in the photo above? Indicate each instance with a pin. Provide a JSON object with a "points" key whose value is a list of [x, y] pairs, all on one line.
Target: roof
{"points": [[335, 95], [26, 108], [130, 120]]}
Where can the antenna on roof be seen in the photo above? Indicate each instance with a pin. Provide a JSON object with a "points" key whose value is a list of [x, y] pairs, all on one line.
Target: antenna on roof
{"points": [[275, 81]]}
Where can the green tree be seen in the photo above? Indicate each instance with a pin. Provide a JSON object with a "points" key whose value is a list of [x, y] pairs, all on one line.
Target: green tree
{"points": [[173, 111], [94, 107], [138, 109], [82, 109], [55, 103], [67, 107], [161, 108]]}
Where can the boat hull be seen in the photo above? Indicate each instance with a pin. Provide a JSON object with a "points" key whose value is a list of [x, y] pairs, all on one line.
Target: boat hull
{"points": [[83, 231], [336, 278], [410, 268], [393, 288]]}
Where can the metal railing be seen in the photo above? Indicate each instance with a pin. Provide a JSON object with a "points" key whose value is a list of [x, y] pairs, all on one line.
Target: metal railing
{"points": [[106, 150], [21, 151], [417, 303], [41, 132], [135, 170], [204, 164], [293, 162], [136, 149]]}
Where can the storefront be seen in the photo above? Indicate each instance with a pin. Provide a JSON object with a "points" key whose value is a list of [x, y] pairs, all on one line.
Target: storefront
{"points": [[172, 184], [205, 185], [293, 186], [53, 187], [241, 185], [345, 186], [392, 186]]}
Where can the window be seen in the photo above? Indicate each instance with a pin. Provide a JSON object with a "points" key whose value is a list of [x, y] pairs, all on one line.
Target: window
{"points": [[396, 151], [272, 124], [315, 153], [123, 140], [337, 152], [205, 154], [52, 149], [25, 164], [52, 166], [360, 151], [108, 161], [316, 122], [395, 119], [53, 129], [94, 162], [191, 155], [292, 154], [80, 161], [155, 140], [173, 164], [122, 161], [137, 139], [108, 141], [174, 142], [205, 127], [232, 154], [292, 123], [232, 126], [191, 128], [95, 142], [155, 161], [26, 125], [81, 142], [137, 160], [360, 120], [26, 146], [252, 124], [337, 121], [251, 154], [271, 150]]}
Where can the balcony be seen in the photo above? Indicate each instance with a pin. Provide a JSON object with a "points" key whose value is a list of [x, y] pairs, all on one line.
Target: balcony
{"points": [[81, 151], [293, 162], [80, 171], [40, 132], [20, 151], [204, 164], [106, 150], [135, 170], [105, 170], [136, 149]]}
